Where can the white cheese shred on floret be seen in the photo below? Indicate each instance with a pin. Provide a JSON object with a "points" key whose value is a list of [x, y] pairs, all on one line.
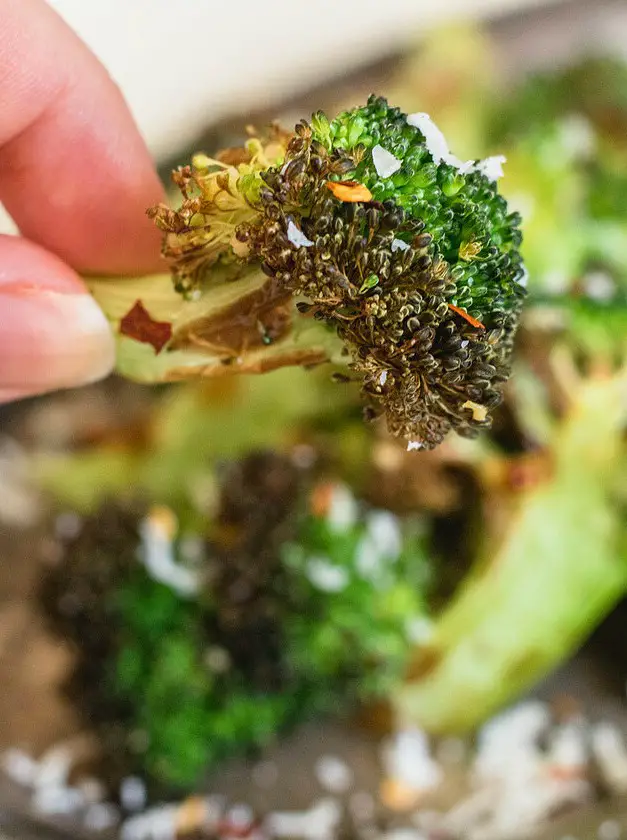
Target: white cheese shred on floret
{"points": [[399, 245], [325, 575], [157, 553], [384, 162], [436, 144], [297, 237], [434, 138], [435, 141], [492, 167]]}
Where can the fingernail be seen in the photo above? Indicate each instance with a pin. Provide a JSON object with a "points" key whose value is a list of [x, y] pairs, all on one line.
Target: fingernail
{"points": [[51, 340]]}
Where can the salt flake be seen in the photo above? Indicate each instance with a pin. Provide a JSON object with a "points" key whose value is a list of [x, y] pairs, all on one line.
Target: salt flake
{"points": [[297, 237], [384, 162], [414, 444]]}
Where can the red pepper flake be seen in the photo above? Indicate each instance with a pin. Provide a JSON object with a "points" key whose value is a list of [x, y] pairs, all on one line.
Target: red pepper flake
{"points": [[349, 191], [472, 321], [138, 324]]}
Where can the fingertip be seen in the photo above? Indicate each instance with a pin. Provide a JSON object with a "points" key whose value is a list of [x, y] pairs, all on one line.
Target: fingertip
{"points": [[52, 333], [75, 174]]}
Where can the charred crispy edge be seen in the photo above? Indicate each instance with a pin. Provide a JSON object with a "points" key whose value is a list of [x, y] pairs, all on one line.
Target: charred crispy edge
{"points": [[405, 338], [289, 357], [262, 316]]}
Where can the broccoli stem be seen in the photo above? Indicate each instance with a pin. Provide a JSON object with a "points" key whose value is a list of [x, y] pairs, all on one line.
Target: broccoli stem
{"points": [[220, 333], [560, 568]]}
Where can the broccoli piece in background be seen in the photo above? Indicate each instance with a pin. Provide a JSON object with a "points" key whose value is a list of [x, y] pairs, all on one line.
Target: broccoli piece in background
{"points": [[299, 609]]}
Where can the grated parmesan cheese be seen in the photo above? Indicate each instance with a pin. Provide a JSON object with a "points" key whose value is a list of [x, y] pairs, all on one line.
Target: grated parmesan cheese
{"points": [[157, 533], [399, 245], [333, 774], [384, 162], [326, 576], [406, 758], [491, 167], [434, 138], [599, 286], [479, 412], [297, 237], [435, 141], [343, 509], [318, 823]]}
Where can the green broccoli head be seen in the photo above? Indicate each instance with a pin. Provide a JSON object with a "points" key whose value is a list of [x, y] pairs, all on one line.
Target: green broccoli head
{"points": [[361, 240], [408, 253]]}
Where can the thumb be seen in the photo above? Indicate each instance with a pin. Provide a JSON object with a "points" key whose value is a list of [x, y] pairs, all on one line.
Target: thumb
{"points": [[52, 333]]}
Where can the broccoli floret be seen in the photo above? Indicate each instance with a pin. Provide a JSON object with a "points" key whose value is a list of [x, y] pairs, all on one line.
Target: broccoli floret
{"points": [[418, 272], [361, 240]]}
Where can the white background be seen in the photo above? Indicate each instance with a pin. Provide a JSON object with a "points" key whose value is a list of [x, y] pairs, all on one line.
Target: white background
{"points": [[183, 63]]}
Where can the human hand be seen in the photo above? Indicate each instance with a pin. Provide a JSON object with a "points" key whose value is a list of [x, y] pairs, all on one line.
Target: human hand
{"points": [[77, 178]]}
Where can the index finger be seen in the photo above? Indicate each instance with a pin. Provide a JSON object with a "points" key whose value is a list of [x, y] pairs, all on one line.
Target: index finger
{"points": [[75, 174]]}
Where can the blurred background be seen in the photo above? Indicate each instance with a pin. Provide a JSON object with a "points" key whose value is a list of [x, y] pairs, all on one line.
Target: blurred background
{"points": [[232, 609]]}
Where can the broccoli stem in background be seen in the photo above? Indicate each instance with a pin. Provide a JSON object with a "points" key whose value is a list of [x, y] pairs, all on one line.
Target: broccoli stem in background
{"points": [[539, 596]]}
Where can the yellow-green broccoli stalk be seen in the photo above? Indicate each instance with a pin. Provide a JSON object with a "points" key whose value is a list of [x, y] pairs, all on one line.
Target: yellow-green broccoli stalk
{"points": [[561, 565], [362, 241]]}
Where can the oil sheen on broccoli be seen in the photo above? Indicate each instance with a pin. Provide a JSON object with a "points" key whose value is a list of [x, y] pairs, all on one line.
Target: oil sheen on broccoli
{"points": [[360, 240]]}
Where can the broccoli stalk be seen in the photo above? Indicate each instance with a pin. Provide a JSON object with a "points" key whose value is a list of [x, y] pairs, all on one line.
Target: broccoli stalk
{"points": [[217, 334], [561, 566], [362, 241]]}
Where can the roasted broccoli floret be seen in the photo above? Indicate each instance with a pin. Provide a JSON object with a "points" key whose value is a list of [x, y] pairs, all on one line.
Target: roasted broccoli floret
{"points": [[360, 240]]}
